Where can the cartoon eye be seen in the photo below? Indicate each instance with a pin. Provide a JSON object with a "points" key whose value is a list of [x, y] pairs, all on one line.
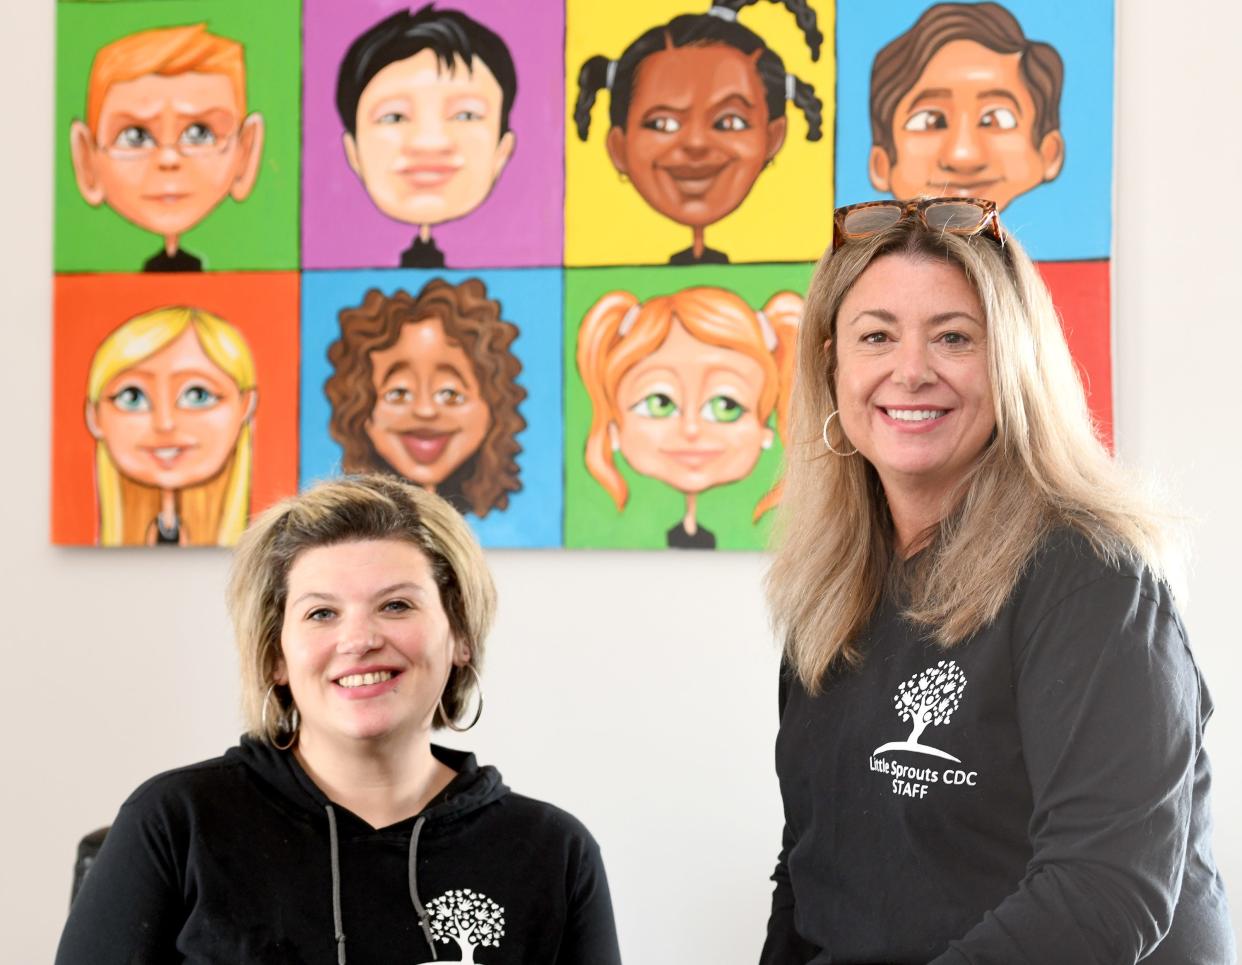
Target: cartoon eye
{"points": [[449, 396], [465, 114], [1000, 118], [663, 123], [722, 408], [398, 396], [927, 120], [731, 122], [657, 405], [196, 396], [392, 117], [130, 398], [198, 135], [135, 138]]}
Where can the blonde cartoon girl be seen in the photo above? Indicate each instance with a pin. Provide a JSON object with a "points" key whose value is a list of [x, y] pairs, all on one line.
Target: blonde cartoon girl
{"points": [[684, 387], [170, 401]]}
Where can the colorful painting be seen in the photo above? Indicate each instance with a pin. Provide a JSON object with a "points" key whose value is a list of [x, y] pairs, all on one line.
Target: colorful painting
{"points": [[544, 259]]}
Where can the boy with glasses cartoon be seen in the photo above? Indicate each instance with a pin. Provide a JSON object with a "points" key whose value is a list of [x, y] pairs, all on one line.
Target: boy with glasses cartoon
{"points": [[166, 137]]}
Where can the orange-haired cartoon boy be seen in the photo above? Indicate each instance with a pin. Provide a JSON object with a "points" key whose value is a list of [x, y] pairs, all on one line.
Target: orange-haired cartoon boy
{"points": [[167, 136]]}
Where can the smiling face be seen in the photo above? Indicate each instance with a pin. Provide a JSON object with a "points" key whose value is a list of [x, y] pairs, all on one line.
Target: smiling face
{"points": [[167, 150], [966, 129], [912, 381], [430, 415], [688, 414], [172, 420], [428, 146], [366, 646], [697, 133]]}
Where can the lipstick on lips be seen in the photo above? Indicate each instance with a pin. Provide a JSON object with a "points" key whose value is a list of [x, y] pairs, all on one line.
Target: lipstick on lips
{"points": [[425, 446]]}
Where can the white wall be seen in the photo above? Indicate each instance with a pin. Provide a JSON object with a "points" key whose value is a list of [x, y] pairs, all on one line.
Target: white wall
{"points": [[637, 690]]}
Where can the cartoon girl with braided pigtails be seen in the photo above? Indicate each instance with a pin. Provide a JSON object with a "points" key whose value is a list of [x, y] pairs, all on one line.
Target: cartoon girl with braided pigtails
{"points": [[697, 111]]}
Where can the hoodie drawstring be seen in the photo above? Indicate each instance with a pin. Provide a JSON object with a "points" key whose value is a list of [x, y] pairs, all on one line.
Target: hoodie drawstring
{"points": [[418, 905], [336, 885]]}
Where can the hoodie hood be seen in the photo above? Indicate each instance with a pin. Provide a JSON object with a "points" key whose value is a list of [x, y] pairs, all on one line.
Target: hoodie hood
{"points": [[473, 788]]}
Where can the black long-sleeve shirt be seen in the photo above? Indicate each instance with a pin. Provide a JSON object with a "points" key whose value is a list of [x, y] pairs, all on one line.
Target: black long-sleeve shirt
{"points": [[231, 861], [1036, 794]]}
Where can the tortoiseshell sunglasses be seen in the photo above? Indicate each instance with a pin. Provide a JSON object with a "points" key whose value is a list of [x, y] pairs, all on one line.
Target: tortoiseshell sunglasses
{"points": [[956, 216]]}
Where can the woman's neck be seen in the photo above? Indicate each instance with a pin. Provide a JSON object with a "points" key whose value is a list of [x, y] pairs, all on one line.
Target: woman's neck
{"points": [[381, 783], [915, 512]]}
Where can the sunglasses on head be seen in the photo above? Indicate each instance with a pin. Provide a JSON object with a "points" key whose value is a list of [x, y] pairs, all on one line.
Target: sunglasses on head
{"points": [[955, 216]]}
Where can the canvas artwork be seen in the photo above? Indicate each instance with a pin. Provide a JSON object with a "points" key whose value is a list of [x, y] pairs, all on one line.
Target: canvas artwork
{"points": [[545, 259]]}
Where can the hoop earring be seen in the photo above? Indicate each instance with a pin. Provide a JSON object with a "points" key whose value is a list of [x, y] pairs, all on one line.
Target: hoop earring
{"points": [[448, 721], [829, 444], [290, 725]]}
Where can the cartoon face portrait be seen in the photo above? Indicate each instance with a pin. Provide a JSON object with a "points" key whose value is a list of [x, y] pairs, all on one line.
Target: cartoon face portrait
{"points": [[964, 105], [167, 137], [425, 388], [425, 100], [170, 399], [684, 387], [697, 111]]}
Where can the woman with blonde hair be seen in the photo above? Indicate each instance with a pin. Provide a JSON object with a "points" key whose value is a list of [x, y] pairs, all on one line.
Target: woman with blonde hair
{"points": [[684, 386], [991, 739], [337, 831], [170, 400]]}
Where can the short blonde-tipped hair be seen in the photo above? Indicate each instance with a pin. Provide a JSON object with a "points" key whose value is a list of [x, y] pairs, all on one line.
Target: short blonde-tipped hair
{"points": [[351, 509], [168, 52]]}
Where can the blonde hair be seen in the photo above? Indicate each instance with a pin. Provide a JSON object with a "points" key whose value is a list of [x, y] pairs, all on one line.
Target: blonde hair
{"points": [[1045, 468], [168, 52], [355, 508], [215, 511], [619, 331]]}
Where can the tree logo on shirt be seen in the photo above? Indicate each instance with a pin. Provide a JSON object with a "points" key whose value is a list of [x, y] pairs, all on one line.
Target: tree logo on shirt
{"points": [[468, 918], [927, 698]]}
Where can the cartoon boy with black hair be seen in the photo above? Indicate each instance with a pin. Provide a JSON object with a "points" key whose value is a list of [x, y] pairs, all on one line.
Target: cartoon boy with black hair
{"points": [[964, 104], [425, 100]]}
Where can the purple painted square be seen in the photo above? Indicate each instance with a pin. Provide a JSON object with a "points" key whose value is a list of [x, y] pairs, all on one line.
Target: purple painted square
{"points": [[520, 223]]}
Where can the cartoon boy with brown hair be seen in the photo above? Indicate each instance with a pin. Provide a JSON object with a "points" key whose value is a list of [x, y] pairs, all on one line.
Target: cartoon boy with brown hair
{"points": [[166, 136], [963, 104]]}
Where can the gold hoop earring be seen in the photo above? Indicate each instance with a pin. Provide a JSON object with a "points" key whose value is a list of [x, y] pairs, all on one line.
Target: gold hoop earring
{"points": [[831, 448], [287, 725], [448, 721]]}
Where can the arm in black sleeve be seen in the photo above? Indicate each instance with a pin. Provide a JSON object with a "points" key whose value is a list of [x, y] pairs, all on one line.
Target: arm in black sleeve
{"points": [[1109, 708], [130, 909], [590, 930], [783, 945]]}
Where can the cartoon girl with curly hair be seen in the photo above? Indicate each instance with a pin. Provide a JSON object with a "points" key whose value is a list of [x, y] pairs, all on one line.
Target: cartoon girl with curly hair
{"points": [[697, 111], [426, 388]]}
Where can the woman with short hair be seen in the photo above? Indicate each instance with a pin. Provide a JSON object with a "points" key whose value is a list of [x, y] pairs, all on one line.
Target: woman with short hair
{"points": [[991, 740], [337, 828]]}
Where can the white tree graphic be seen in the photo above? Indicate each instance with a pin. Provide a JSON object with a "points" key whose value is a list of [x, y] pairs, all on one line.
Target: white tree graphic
{"points": [[929, 697], [468, 918]]}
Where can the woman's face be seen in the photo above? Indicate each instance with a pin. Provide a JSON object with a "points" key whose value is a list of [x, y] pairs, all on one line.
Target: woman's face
{"points": [[173, 419], [430, 415], [912, 373], [697, 134], [689, 414], [365, 643]]}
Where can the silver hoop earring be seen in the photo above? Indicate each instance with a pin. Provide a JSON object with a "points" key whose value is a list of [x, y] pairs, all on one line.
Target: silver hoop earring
{"points": [[829, 444], [288, 725], [448, 721]]}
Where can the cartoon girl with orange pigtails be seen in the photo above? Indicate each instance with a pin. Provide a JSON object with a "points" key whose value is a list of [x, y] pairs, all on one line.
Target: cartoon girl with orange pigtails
{"points": [[684, 386]]}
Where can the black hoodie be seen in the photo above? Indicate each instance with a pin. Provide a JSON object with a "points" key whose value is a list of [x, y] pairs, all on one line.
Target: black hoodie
{"points": [[242, 859]]}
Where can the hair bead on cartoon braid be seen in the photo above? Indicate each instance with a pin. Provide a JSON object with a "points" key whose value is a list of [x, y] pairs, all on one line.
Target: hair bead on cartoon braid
{"points": [[804, 98]]}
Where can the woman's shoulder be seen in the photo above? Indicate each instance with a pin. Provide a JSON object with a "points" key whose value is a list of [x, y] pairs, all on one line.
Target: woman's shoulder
{"points": [[1068, 562], [187, 787], [542, 818]]}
